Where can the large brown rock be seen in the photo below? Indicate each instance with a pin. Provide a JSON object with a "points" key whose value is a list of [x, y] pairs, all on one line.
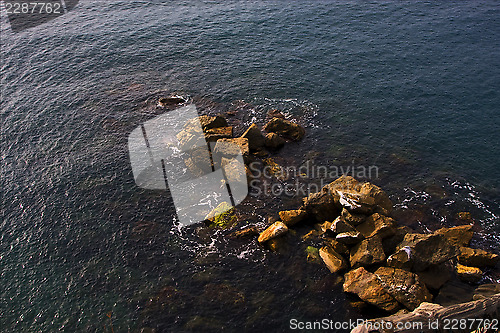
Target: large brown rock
{"points": [[254, 136], [232, 147], [274, 230], [367, 253], [404, 286], [352, 219], [477, 257], [274, 141], [457, 236], [349, 238], [209, 122], [292, 217], [369, 288], [334, 261], [285, 128], [321, 206], [401, 259], [214, 134], [377, 224], [428, 249], [337, 246]]}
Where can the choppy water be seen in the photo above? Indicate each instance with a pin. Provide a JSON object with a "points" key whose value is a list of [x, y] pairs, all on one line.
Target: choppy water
{"points": [[413, 88]]}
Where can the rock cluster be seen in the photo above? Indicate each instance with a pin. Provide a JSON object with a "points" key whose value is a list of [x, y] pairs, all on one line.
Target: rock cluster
{"points": [[384, 264]]}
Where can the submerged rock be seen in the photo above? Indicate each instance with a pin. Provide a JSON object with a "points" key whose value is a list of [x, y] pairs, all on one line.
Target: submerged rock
{"points": [[404, 286], [477, 257], [246, 232], [367, 253], [274, 141], [469, 274], [285, 128], [222, 216], [274, 230], [292, 217], [369, 288], [313, 255], [457, 236], [334, 261]]}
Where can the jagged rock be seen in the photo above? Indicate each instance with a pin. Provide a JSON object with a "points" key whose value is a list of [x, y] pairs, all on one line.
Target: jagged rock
{"points": [[369, 288], [404, 286], [232, 147], [457, 236], [274, 230], [477, 257], [254, 136], [428, 249], [349, 238], [285, 128], [337, 246], [171, 100], [352, 219], [313, 255], [377, 224], [321, 205], [292, 217], [214, 134], [278, 244], [391, 244], [368, 252], [222, 216], [469, 274], [334, 261], [402, 259], [274, 141], [359, 198], [209, 122], [339, 226]]}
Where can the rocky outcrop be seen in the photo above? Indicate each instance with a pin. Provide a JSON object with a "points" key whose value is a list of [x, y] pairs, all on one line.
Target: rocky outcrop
{"points": [[334, 261], [321, 206], [367, 253], [274, 230], [369, 288], [404, 286], [457, 236], [285, 128], [292, 217], [477, 258]]}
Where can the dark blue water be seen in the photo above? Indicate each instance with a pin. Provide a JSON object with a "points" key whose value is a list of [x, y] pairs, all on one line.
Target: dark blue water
{"points": [[413, 88]]}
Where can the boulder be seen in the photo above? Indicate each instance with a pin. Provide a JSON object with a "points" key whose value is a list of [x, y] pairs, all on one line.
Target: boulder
{"points": [[457, 236], [321, 205], [222, 216], [255, 137], [477, 257], [428, 249], [274, 141], [349, 238], [334, 261], [285, 128], [404, 286], [469, 274], [377, 224], [274, 230], [232, 147], [209, 122], [391, 244], [352, 219], [214, 134], [401, 259], [339, 226], [369, 288], [337, 246], [292, 217], [367, 253]]}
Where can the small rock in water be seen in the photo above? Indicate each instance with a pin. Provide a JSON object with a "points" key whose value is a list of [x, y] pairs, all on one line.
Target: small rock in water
{"points": [[292, 217], [274, 141], [285, 128], [457, 236], [469, 274], [171, 100], [274, 230], [334, 261], [477, 257], [254, 136]]}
